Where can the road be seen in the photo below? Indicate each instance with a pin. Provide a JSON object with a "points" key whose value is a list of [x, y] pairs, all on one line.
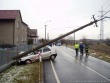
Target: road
{"points": [[67, 68]]}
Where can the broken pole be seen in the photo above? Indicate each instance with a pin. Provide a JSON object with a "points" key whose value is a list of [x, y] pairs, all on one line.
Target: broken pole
{"points": [[60, 37]]}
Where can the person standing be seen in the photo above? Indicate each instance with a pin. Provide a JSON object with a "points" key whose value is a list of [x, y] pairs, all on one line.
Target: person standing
{"points": [[86, 49], [81, 47], [76, 46]]}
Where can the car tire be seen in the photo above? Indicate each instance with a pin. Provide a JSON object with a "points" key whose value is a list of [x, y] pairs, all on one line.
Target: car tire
{"points": [[52, 57], [17, 62], [28, 61]]}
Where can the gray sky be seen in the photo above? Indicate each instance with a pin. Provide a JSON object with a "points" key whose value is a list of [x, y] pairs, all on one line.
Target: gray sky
{"points": [[61, 16]]}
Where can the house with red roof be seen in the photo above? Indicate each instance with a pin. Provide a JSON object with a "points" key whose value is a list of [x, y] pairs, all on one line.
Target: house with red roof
{"points": [[13, 31]]}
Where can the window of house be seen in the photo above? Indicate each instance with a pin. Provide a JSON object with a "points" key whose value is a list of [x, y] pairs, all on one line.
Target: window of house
{"points": [[22, 38], [18, 38], [18, 24], [22, 27], [25, 38], [35, 40]]}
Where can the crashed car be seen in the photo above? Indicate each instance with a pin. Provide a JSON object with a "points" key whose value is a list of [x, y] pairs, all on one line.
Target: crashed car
{"points": [[45, 53]]}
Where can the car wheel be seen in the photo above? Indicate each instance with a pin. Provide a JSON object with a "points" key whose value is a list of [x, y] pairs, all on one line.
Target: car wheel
{"points": [[17, 62], [52, 57], [28, 61]]}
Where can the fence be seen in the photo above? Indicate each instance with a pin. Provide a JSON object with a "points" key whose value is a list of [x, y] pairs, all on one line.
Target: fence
{"points": [[7, 53]]}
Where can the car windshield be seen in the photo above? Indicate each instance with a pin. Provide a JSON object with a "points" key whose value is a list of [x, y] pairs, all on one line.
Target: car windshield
{"points": [[46, 49], [32, 53]]}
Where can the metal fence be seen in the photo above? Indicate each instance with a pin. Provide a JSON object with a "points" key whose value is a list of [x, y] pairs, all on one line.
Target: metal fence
{"points": [[7, 53]]}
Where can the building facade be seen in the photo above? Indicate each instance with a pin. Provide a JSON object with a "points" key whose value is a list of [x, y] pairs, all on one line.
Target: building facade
{"points": [[32, 35], [13, 31]]}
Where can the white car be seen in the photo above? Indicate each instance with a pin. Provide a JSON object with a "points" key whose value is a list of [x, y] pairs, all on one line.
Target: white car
{"points": [[45, 53]]}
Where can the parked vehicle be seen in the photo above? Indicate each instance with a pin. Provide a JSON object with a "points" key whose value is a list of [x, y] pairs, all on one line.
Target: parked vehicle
{"points": [[58, 44], [45, 53]]}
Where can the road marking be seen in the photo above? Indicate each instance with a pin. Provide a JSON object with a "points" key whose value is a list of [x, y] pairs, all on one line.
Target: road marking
{"points": [[89, 68], [92, 69], [96, 72], [56, 76]]}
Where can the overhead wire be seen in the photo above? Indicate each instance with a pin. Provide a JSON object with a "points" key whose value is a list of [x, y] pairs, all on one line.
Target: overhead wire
{"points": [[104, 2], [106, 12], [105, 5]]}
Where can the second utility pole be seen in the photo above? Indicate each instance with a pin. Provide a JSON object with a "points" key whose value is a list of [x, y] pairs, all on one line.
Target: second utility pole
{"points": [[45, 32], [101, 27]]}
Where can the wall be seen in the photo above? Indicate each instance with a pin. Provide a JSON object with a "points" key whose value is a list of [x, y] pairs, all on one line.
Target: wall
{"points": [[6, 31]]}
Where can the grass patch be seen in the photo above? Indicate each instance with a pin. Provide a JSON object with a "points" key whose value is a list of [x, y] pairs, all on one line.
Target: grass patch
{"points": [[30, 73], [101, 51]]}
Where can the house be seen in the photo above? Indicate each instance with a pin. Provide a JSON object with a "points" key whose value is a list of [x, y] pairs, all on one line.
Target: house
{"points": [[35, 37], [32, 35], [13, 31]]}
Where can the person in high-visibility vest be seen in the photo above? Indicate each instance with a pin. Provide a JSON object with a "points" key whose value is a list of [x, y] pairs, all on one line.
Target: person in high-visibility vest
{"points": [[76, 46]]}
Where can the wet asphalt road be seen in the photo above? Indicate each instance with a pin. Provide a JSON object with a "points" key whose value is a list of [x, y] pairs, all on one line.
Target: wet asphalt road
{"points": [[67, 68]]}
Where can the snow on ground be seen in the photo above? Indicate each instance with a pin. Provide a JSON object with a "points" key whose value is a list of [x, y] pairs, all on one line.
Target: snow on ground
{"points": [[28, 73], [10, 74]]}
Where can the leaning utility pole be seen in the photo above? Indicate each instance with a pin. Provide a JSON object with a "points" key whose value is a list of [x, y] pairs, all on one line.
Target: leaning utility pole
{"points": [[58, 38]]}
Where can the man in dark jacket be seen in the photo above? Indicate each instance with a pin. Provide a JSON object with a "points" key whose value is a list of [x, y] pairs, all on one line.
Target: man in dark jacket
{"points": [[81, 47]]}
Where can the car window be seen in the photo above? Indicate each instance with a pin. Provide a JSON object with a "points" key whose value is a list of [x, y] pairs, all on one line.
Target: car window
{"points": [[46, 49], [32, 53]]}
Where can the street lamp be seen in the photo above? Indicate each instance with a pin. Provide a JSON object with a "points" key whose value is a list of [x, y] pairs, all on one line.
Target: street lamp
{"points": [[48, 36], [46, 27], [74, 38]]}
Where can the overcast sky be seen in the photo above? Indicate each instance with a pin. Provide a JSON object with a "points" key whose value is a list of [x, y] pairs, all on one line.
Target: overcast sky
{"points": [[61, 16]]}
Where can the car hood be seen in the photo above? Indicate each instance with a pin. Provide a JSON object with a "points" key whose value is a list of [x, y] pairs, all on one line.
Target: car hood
{"points": [[29, 56]]}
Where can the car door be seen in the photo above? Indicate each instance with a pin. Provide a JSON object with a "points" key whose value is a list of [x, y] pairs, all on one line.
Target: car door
{"points": [[46, 53]]}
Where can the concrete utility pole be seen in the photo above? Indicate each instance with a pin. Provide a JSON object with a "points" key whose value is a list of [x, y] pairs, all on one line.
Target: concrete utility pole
{"points": [[74, 39], [48, 36], [45, 32], [46, 28], [56, 39]]}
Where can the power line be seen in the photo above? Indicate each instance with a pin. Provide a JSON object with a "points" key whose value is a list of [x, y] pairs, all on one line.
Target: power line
{"points": [[66, 27], [106, 12], [105, 3], [104, 6]]}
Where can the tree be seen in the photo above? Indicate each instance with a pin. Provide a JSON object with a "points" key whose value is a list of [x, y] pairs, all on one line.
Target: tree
{"points": [[30, 41]]}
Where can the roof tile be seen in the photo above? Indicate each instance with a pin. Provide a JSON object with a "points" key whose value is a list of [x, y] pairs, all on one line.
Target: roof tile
{"points": [[9, 14]]}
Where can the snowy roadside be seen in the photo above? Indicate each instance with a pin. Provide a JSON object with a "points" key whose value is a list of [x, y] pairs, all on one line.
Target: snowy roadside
{"points": [[22, 74]]}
